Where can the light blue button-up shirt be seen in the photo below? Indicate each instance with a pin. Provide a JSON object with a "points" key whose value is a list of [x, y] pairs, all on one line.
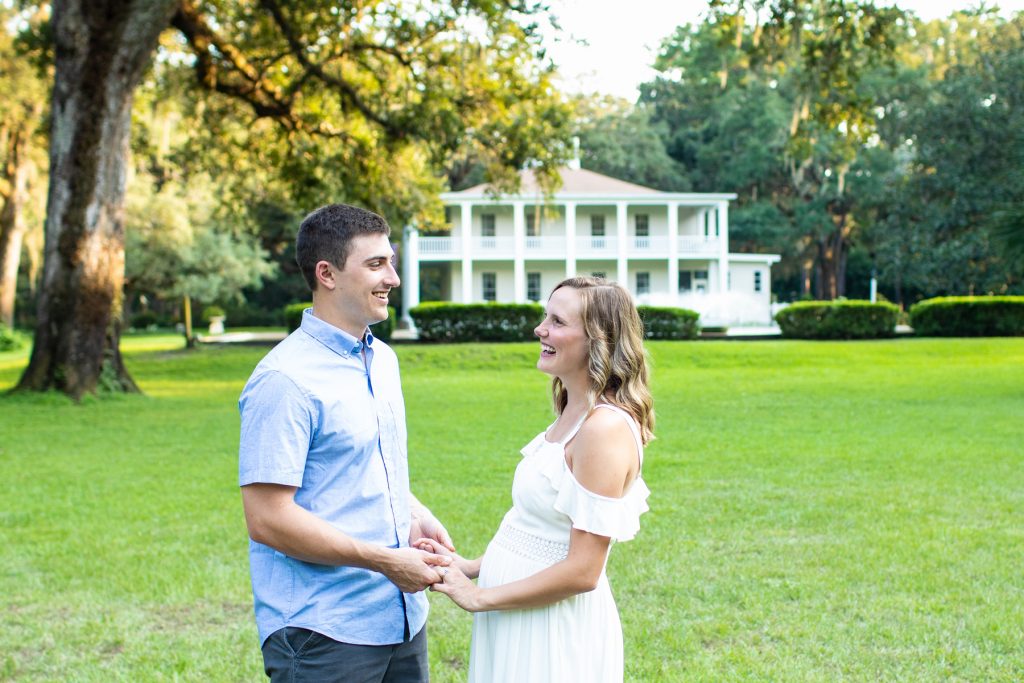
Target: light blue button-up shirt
{"points": [[317, 417]]}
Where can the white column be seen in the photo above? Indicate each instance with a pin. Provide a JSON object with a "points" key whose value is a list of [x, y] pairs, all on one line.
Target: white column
{"points": [[570, 239], [621, 231], [673, 249], [722, 228], [519, 251], [466, 223], [410, 274]]}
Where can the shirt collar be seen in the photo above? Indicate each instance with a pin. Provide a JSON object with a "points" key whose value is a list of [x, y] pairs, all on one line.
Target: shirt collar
{"points": [[334, 338]]}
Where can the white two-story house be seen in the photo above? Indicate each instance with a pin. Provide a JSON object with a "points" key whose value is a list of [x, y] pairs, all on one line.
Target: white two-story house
{"points": [[667, 248]]}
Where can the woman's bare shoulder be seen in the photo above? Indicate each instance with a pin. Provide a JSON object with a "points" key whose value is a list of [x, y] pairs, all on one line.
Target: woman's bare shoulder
{"points": [[604, 453]]}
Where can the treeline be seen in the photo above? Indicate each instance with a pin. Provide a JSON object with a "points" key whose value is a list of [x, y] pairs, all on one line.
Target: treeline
{"points": [[858, 138]]}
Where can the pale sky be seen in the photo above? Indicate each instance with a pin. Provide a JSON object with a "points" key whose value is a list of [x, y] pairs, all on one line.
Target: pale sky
{"points": [[623, 37]]}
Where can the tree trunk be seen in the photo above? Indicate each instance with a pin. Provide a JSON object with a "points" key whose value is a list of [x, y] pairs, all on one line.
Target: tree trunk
{"points": [[833, 249], [102, 48], [12, 219], [806, 276]]}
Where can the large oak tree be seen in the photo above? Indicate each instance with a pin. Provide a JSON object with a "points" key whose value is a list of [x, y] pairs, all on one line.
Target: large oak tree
{"points": [[352, 82]]}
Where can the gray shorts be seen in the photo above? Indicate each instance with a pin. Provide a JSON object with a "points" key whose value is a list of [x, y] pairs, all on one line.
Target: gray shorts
{"points": [[298, 655]]}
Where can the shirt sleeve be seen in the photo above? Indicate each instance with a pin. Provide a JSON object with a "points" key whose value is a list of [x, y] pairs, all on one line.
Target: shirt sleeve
{"points": [[277, 427]]}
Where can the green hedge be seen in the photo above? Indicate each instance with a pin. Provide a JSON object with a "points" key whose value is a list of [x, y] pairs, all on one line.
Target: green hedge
{"points": [[441, 321], [669, 323], [839, 319], [969, 316], [381, 330]]}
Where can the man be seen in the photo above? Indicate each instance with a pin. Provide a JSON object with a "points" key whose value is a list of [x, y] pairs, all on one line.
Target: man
{"points": [[324, 476]]}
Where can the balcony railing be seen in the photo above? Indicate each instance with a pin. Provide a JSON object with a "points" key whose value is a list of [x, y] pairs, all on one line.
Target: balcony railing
{"points": [[500, 247], [436, 246], [698, 244], [546, 245], [553, 246], [593, 245]]}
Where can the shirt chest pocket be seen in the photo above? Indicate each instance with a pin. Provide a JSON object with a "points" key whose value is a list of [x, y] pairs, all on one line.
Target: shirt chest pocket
{"points": [[350, 427], [392, 421]]}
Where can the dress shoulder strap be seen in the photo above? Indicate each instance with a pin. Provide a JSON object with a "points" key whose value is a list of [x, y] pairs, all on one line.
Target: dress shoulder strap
{"points": [[572, 433], [633, 427]]}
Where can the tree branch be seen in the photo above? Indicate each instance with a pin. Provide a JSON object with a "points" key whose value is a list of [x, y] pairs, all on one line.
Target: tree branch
{"points": [[299, 51]]}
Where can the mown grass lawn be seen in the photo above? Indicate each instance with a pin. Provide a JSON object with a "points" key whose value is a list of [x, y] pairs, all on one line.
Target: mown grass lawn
{"points": [[820, 511]]}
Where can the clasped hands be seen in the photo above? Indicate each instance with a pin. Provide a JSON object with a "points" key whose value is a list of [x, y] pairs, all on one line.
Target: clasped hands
{"points": [[456, 578]]}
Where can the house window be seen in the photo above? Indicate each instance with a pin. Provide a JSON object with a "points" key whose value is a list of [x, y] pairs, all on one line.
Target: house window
{"points": [[490, 286], [711, 224], [533, 286], [642, 240], [700, 275], [643, 224], [531, 224], [449, 213], [597, 231], [685, 281], [643, 283], [487, 224], [757, 280]]}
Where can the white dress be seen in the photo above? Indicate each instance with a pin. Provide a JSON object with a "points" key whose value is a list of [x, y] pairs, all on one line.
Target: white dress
{"points": [[576, 639]]}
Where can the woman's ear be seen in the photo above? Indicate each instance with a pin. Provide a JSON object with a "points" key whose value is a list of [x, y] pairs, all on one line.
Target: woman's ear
{"points": [[325, 275]]}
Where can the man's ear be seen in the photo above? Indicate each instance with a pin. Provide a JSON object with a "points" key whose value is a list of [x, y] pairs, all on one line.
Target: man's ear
{"points": [[325, 275]]}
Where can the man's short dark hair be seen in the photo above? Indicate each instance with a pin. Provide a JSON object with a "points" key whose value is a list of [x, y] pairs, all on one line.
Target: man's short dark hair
{"points": [[325, 234]]}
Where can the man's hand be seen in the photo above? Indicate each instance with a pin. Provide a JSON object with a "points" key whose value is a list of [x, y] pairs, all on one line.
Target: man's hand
{"points": [[412, 570], [470, 568], [425, 525]]}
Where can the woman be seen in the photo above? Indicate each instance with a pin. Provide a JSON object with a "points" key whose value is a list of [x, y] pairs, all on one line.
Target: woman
{"points": [[544, 609]]}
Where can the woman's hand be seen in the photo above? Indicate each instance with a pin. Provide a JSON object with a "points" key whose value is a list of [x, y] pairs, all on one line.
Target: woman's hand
{"points": [[460, 589], [470, 568]]}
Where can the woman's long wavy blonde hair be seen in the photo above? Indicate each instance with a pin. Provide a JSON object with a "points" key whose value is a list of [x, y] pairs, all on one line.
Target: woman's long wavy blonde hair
{"points": [[618, 368]]}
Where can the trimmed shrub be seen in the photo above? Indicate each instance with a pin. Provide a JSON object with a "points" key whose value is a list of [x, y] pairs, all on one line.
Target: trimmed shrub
{"points": [[441, 321], [211, 312], [662, 322], [145, 320], [9, 339], [384, 328], [381, 330], [293, 315], [838, 320], [969, 316]]}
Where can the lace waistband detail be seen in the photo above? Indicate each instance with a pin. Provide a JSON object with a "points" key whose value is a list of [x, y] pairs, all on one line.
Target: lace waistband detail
{"points": [[532, 547]]}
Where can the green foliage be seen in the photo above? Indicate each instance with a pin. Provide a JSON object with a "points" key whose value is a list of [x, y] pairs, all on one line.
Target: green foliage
{"points": [[211, 312], [366, 104], [843, 126], [620, 140], [439, 321], [177, 244], [145, 320], [838, 319], [662, 322], [293, 315], [10, 340], [954, 316], [382, 330]]}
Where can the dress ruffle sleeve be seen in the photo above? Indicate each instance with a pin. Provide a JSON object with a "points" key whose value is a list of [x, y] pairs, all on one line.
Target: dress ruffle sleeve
{"points": [[618, 518]]}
